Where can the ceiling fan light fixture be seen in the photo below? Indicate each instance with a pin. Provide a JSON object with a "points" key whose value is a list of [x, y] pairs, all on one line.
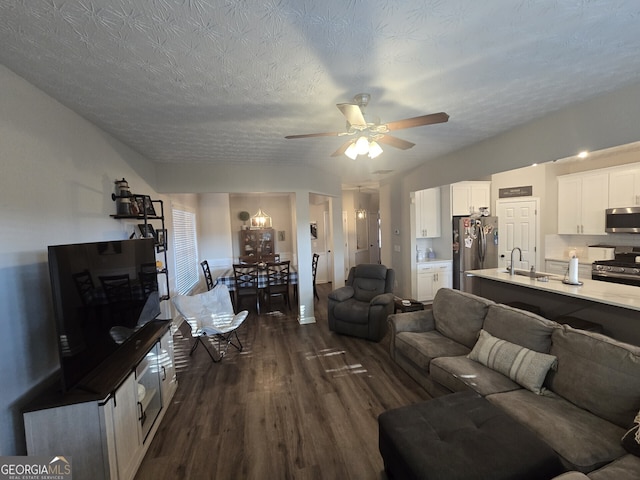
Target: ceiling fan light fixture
{"points": [[351, 151], [362, 145], [374, 149]]}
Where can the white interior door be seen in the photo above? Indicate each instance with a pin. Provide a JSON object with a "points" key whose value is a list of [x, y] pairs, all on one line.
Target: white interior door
{"points": [[374, 238], [325, 261], [347, 256], [518, 226]]}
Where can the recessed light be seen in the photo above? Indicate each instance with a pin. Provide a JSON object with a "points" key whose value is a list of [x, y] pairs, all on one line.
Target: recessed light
{"points": [[583, 154]]}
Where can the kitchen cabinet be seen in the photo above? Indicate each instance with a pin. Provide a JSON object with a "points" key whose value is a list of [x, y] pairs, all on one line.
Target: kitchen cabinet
{"points": [[431, 277], [561, 268], [582, 201], [469, 197], [427, 211], [624, 187]]}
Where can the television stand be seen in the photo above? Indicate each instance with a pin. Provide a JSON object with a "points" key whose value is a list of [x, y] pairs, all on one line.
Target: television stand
{"points": [[107, 425]]}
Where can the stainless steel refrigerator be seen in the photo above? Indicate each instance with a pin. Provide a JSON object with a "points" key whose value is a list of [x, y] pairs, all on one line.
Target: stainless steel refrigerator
{"points": [[475, 246]]}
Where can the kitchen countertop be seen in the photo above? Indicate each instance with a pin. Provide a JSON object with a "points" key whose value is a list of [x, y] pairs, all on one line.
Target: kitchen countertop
{"points": [[432, 260], [616, 294]]}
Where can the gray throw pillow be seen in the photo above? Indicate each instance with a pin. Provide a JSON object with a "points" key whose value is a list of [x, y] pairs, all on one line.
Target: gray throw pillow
{"points": [[522, 365]]}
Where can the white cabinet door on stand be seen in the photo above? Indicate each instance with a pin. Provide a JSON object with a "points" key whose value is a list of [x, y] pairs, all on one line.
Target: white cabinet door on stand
{"points": [[469, 197], [123, 406], [582, 201], [427, 203], [168, 378]]}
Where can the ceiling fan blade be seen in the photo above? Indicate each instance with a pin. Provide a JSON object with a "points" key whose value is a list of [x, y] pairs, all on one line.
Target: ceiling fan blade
{"points": [[418, 121], [342, 149], [352, 113], [309, 135], [395, 142]]}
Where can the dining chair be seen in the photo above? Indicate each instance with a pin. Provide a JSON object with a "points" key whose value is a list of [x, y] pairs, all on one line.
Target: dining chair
{"points": [[245, 276], [314, 271], [278, 282], [117, 290], [84, 286], [148, 277], [207, 274], [268, 258], [247, 259]]}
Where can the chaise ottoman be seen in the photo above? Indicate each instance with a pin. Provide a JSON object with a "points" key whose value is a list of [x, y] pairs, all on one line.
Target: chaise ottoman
{"points": [[461, 436]]}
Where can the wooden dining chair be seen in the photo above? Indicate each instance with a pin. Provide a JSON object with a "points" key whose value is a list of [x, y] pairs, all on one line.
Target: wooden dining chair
{"points": [[148, 277], [245, 276], [117, 290], [207, 274], [278, 280], [247, 259]]}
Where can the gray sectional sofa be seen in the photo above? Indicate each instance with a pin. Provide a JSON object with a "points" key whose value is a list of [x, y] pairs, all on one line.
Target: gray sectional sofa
{"points": [[578, 391]]}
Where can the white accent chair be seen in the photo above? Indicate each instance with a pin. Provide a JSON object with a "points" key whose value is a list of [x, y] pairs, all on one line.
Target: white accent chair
{"points": [[210, 314]]}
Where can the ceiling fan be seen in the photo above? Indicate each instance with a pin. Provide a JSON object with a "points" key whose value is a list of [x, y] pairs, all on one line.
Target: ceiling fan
{"points": [[367, 132]]}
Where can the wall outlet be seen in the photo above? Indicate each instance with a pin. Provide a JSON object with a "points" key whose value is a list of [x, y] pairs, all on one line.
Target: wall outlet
{"points": [[396, 248]]}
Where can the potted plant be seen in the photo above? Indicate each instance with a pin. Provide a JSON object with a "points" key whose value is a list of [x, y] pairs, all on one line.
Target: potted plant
{"points": [[244, 216]]}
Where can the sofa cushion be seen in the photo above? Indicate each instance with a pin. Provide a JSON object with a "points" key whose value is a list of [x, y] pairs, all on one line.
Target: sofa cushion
{"points": [[461, 373], [597, 373], [352, 311], [422, 347], [459, 315], [520, 327], [527, 367], [369, 280], [624, 468], [584, 441]]}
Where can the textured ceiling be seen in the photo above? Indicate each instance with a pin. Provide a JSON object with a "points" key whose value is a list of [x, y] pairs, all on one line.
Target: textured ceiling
{"points": [[223, 81]]}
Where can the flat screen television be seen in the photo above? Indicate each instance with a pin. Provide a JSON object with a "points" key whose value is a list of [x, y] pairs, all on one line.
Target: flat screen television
{"points": [[103, 295]]}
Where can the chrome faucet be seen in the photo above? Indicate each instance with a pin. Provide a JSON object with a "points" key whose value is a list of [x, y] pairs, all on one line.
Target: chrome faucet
{"points": [[513, 268]]}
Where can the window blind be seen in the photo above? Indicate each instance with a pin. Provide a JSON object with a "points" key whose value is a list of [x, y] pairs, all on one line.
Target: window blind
{"points": [[186, 250]]}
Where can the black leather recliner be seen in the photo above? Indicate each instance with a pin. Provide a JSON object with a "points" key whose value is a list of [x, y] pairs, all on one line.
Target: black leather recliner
{"points": [[362, 306]]}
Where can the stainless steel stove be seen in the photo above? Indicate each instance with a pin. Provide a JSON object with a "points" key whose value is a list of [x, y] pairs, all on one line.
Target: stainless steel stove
{"points": [[624, 268]]}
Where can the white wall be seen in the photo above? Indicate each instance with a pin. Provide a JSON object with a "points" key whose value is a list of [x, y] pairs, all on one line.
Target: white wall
{"points": [[56, 178]]}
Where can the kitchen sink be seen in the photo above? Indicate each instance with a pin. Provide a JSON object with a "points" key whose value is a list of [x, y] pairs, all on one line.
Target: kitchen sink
{"points": [[527, 273]]}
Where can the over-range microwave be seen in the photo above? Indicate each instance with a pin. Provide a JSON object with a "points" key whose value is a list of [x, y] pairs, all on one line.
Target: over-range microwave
{"points": [[623, 220]]}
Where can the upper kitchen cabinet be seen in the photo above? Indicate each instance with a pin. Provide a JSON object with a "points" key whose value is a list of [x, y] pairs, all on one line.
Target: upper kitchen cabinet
{"points": [[427, 210], [624, 187], [582, 201], [469, 197]]}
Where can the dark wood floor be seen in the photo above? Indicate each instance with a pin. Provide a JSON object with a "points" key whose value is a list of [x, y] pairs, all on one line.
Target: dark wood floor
{"points": [[299, 402]]}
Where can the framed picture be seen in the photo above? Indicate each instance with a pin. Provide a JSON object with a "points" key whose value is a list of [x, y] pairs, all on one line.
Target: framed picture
{"points": [[147, 231], [161, 240], [143, 203], [314, 231]]}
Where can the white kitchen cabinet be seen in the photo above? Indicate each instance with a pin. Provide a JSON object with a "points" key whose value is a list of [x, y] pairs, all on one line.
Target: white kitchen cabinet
{"points": [[469, 197], [582, 201], [624, 187], [427, 203], [431, 277]]}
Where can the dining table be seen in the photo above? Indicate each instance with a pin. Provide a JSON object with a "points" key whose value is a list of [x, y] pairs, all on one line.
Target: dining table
{"points": [[227, 278]]}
